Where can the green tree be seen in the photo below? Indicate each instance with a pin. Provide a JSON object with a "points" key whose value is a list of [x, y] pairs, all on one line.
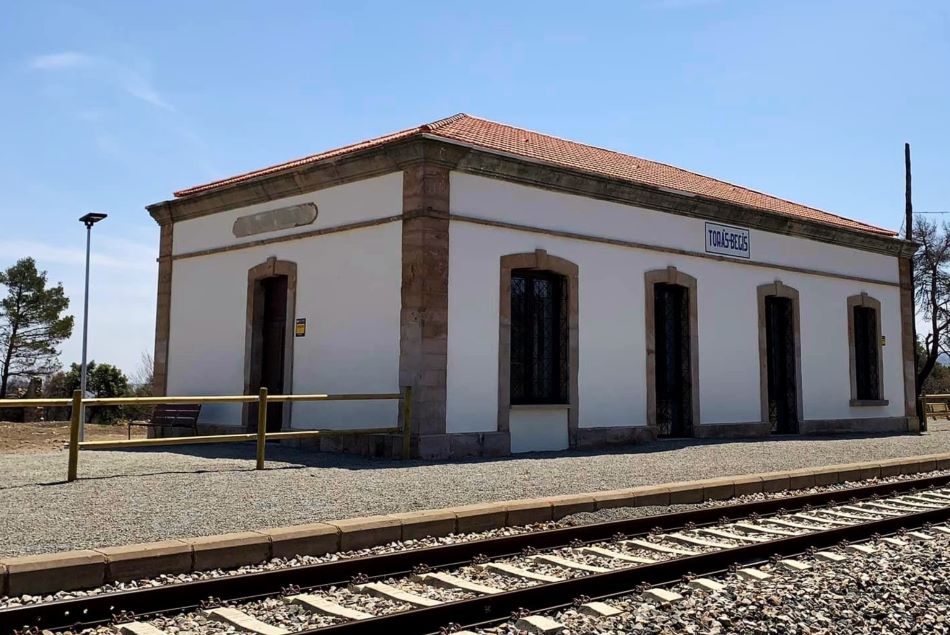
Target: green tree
{"points": [[103, 380], [932, 294], [938, 380], [32, 324]]}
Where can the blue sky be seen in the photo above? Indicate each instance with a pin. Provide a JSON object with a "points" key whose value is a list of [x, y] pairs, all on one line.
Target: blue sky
{"points": [[110, 106]]}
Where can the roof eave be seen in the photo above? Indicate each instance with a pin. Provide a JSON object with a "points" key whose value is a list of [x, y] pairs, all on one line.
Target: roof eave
{"points": [[395, 154], [682, 201]]}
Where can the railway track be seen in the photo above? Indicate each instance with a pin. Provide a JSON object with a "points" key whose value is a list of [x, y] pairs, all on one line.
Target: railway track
{"points": [[485, 581]]}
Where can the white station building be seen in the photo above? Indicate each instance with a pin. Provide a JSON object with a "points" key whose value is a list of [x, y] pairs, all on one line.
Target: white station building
{"points": [[536, 293]]}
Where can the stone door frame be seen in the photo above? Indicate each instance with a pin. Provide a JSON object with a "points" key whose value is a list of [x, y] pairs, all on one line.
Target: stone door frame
{"points": [[271, 268]]}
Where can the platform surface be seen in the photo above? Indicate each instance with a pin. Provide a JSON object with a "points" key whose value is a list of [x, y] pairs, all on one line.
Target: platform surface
{"points": [[151, 495]]}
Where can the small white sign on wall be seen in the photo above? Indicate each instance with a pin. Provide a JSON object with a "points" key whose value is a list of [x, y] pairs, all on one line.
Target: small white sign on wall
{"points": [[726, 240]]}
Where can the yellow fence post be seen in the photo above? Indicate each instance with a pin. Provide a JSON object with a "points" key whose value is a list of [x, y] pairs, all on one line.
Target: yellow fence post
{"points": [[406, 421], [74, 423], [261, 427]]}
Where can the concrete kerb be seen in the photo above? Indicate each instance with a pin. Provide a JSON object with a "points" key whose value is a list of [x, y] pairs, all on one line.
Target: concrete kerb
{"points": [[775, 482], [687, 492], [748, 484], [134, 562], [615, 498], [859, 472], [479, 517], [800, 479], [924, 465], [89, 568], [652, 496], [528, 511], [418, 525], [568, 504], [719, 489], [368, 531], [314, 539], [227, 551], [65, 571]]}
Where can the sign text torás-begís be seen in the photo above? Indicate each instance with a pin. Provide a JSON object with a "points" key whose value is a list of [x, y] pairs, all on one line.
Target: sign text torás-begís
{"points": [[727, 241]]}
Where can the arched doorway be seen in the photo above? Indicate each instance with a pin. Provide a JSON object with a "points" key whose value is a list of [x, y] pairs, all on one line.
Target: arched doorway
{"points": [[780, 357], [268, 355], [672, 343]]}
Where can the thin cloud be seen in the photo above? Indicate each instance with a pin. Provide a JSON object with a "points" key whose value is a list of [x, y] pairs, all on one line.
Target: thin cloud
{"points": [[110, 254], [682, 4], [58, 61], [132, 82], [135, 82], [141, 88]]}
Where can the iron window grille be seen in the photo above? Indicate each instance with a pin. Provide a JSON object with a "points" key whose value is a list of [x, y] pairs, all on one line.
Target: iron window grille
{"points": [[539, 332]]}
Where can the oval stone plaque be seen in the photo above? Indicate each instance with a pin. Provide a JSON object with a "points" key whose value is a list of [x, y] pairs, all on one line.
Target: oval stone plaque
{"points": [[274, 220]]}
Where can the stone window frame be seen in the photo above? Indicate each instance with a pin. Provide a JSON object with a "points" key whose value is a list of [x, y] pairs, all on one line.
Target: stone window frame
{"points": [[538, 260], [671, 275], [865, 300], [271, 268], [780, 290]]}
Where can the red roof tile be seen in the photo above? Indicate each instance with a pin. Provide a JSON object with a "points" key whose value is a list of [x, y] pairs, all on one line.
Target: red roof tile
{"points": [[497, 137]]}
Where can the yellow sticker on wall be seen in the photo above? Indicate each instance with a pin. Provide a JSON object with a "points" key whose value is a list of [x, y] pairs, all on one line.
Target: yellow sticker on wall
{"points": [[300, 327]]}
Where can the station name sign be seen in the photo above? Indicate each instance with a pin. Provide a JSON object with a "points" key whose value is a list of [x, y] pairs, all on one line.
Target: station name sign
{"points": [[726, 240]]}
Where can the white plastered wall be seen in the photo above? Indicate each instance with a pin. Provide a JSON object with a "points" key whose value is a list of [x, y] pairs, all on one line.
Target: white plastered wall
{"points": [[348, 289], [363, 200], [612, 349]]}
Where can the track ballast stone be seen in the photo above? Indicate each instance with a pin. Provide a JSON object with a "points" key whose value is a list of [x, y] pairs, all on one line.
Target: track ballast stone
{"points": [[903, 590]]}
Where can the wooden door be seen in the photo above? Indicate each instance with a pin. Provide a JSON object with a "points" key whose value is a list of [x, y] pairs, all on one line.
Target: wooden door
{"points": [[673, 381], [269, 350], [781, 365]]}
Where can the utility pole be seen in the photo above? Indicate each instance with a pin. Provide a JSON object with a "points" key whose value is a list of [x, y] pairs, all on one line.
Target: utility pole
{"points": [[909, 235]]}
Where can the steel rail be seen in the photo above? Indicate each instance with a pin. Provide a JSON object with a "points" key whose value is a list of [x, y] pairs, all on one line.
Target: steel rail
{"points": [[488, 609], [99, 609]]}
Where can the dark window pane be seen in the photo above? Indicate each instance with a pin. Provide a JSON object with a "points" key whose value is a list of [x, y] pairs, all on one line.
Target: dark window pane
{"points": [[538, 338]]}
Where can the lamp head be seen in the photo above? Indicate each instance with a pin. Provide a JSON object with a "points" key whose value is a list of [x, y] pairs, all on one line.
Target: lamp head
{"points": [[92, 218]]}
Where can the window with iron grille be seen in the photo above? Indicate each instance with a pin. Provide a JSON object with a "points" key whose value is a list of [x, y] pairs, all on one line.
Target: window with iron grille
{"points": [[539, 332], [866, 361]]}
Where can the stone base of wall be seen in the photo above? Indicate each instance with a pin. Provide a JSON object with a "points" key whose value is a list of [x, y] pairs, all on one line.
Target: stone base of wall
{"points": [[597, 438], [732, 430], [495, 444], [871, 425], [427, 446]]}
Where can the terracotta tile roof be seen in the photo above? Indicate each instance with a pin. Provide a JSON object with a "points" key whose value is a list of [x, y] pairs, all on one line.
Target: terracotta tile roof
{"points": [[497, 137]]}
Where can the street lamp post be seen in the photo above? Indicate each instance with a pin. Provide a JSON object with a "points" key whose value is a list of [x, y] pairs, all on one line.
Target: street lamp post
{"points": [[88, 220]]}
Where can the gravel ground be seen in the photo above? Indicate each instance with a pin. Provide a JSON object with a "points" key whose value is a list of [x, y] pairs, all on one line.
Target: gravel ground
{"points": [[139, 496], [897, 590]]}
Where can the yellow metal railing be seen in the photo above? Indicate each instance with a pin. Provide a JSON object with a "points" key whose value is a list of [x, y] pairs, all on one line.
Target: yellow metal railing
{"points": [[261, 436]]}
